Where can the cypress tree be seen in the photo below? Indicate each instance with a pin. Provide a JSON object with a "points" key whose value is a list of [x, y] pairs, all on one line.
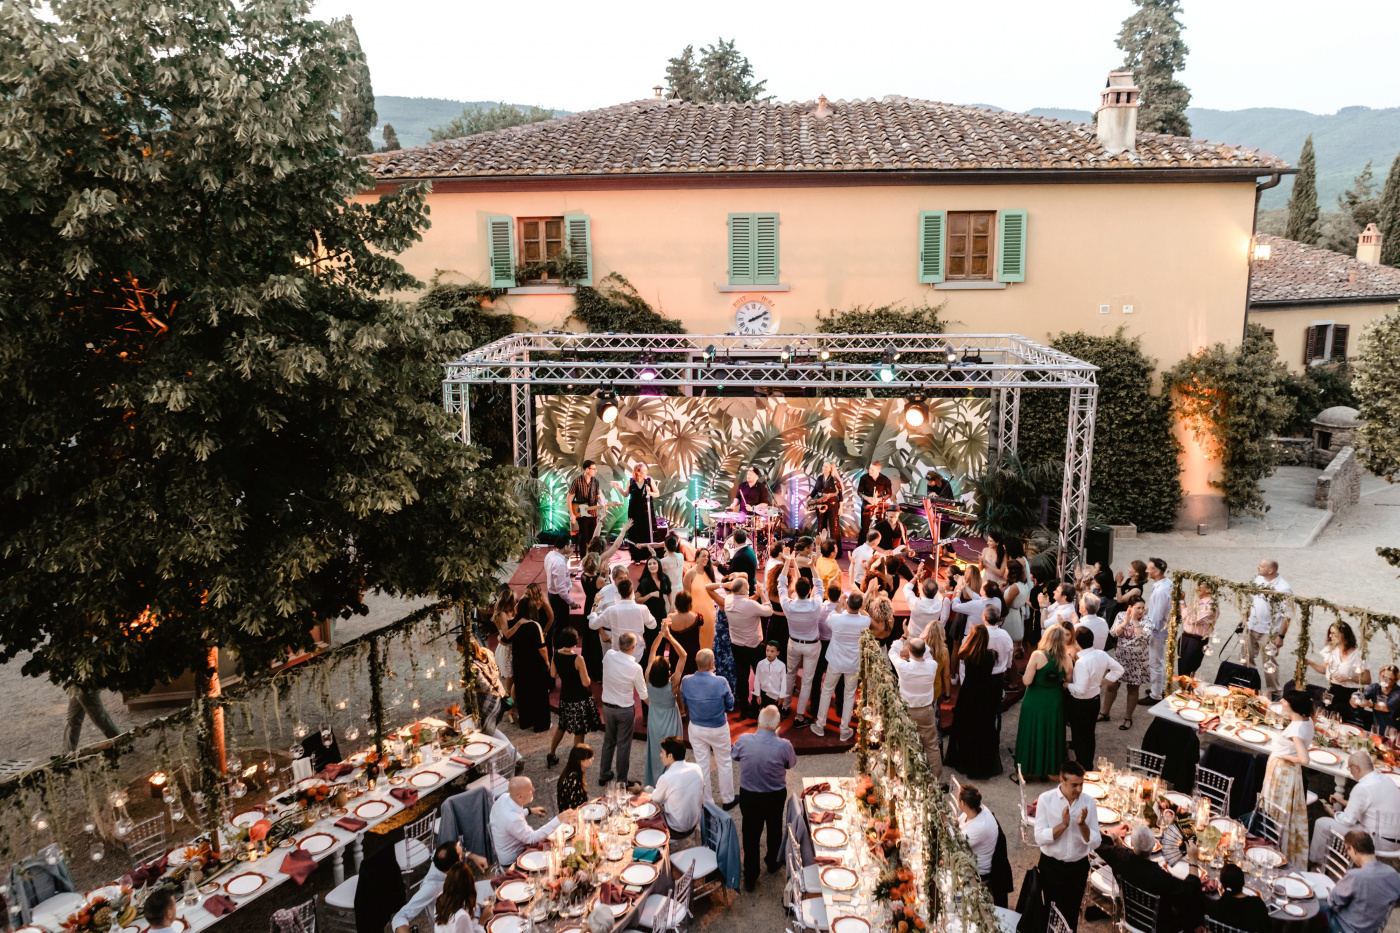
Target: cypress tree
{"points": [[1388, 221], [1302, 203], [1155, 52], [358, 116], [391, 138]]}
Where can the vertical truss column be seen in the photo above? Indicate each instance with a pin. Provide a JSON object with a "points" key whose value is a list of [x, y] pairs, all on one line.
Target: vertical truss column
{"points": [[1074, 499], [1013, 434], [1006, 416], [524, 433], [456, 400]]}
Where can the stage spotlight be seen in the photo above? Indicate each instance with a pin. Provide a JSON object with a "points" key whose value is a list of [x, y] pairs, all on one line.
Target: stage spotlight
{"points": [[607, 406], [886, 368], [950, 356], [786, 354], [709, 354], [648, 371], [915, 411]]}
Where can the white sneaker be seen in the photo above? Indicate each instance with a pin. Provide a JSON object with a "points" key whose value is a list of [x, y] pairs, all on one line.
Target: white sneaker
{"points": [[817, 730], [846, 736]]}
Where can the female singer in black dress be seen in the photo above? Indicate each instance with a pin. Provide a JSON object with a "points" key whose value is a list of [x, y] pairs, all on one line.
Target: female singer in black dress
{"points": [[972, 746], [642, 491]]}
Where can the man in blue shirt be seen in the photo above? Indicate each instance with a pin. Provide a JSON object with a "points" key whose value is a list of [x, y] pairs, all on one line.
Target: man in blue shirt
{"points": [[708, 700], [1361, 900], [764, 760]]}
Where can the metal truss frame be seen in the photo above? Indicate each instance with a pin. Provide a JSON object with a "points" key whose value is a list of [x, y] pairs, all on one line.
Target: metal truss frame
{"points": [[1002, 364]]}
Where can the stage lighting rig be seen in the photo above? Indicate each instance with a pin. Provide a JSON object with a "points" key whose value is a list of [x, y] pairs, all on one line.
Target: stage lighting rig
{"points": [[915, 410], [648, 371], [607, 406], [886, 368]]}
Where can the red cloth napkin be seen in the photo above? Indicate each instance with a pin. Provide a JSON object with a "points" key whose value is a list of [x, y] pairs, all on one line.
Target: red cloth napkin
{"points": [[826, 816], [505, 907], [829, 860], [351, 823], [464, 762], [335, 769], [512, 875], [405, 795], [1209, 724], [821, 788], [218, 905], [143, 875], [299, 864], [637, 800], [655, 821], [615, 894]]}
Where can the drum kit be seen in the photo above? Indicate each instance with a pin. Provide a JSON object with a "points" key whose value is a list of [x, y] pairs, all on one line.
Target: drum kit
{"points": [[761, 524]]}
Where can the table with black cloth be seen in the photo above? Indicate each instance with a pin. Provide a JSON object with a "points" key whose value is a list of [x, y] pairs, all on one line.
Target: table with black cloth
{"points": [[1182, 748], [1247, 768]]}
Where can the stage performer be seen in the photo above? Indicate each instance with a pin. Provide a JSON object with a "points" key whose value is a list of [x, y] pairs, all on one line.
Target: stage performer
{"points": [[749, 493], [939, 487], [825, 498], [875, 494], [642, 492], [584, 499], [894, 544]]}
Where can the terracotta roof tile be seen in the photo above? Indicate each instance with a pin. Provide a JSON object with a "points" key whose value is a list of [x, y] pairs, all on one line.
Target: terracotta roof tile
{"points": [[896, 133], [1299, 273]]}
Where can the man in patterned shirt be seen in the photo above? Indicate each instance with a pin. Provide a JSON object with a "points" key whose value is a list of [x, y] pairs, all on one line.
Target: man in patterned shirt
{"points": [[584, 492]]}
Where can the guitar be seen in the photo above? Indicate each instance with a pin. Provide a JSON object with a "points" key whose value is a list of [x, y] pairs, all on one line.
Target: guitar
{"points": [[578, 510]]}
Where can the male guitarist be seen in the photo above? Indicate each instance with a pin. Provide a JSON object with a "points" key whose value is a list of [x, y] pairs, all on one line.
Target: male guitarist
{"points": [[584, 499], [875, 494], [825, 498]]}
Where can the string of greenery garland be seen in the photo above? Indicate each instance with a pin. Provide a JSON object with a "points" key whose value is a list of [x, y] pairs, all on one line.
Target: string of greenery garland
{"points": [[1368, 622], [945, 848]]}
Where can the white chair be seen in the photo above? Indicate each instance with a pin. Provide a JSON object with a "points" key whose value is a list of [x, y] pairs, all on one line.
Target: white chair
{"points": [[663, 913], [304, 913], [1058, 923], [1148, 764], [1139, 909], [1216, 788], [1027, 821], [1103, 886], [1336, 862], [809, 876], [1269, 820], [1387, 835], [146, 839], [702, 861], [338, 913], [954, 789], [416, 846], [803, 890]]}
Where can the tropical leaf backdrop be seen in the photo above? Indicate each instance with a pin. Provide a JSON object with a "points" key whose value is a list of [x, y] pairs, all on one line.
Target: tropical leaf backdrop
{"points": [[702, 448]]}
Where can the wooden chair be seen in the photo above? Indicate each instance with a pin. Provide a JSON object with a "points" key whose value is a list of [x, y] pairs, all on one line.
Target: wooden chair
{"points": [[1215, 787], [1148, 764], [1139, 909]]}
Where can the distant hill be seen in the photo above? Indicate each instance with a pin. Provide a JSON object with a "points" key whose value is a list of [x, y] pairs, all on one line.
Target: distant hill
{"points": [[1344, 141], [413, 117]]}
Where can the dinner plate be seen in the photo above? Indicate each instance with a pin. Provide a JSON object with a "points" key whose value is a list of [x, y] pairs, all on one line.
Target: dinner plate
{"points": [[639, 874], [372, 809], [617, 909], [1092, 776], [839, 879], [828, 800], [106, 892], [477, 749], [247, 818], [532, 861], [650, 838], [516, 891], [1293, 886], [850, 925], [182, 855], [1346, 728], [304, 783], [505, 923], [1227, 825], [1192, 715], [425, 779], [1294, 910], [1251, 735], [1216, 690], [1251, 892], [1107, 816], [1177, 702], [570, 929], [1178, 799], [1323, 756], [1264, 856], [1095, 791], [568, 829], [643, 810], [244, 884], [593, 811], [316, 843], [830, 837]]}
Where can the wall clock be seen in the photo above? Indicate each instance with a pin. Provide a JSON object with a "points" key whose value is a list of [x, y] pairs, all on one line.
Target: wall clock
{"points": [[755, 316]]}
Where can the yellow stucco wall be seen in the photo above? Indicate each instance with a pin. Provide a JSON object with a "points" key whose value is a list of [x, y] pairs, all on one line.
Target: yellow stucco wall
{"points": [[1175, 253], [1290, 326]]}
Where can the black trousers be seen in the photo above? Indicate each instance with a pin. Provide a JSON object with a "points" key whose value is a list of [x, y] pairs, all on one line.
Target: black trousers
{"points": [[1063, 884], [1192, 653], [745, 660], [587, 528], [762, 810], [1083, 718], [830, 522], [559, 605]]}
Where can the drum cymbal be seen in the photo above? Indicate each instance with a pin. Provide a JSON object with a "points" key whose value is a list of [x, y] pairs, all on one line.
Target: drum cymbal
{"points": [[727, 516], [762, 509], [706, 504]]}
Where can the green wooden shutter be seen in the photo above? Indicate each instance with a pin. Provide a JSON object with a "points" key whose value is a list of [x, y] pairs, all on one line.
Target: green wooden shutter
{"points": [[1011, 246], [741, 249], [580, 242], [765, 249], [500, 245], [933, 226]]}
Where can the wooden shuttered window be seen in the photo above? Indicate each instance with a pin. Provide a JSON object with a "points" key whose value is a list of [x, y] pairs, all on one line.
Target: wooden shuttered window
{"points": [[753, 249], [500, 247], [1011, 246], [1313, 343], [1325, 342], [969, 245], [1339, 341], [578, 233], [933, 227]]}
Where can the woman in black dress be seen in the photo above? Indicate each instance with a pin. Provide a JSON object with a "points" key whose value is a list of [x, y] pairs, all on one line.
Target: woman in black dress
{"points": [[642, 492], [653, 588], [685, 629], [572, 790], [972, 748], [577, 714], [534, 669]]}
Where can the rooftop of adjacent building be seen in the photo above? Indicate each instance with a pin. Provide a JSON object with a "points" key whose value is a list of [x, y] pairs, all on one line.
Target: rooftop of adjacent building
{"points": [[1296, 273]]}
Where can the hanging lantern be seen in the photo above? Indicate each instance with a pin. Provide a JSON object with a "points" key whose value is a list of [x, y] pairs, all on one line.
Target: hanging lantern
{"points": [[342, 703], [39, 821], [300, 730]]}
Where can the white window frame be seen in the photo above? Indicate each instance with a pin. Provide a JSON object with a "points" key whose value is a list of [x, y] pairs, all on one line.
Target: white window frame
{"points": [[1327, 344]]}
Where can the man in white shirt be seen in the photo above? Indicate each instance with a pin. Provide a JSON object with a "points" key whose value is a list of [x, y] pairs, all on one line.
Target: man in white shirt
{"points": [[1373, 795], [1066, 830], [1089, 618], [622, 677], [1060, 611], [624, 617], [746, 635], [998, 639], [680, 791], [860, 559], [842, 661], [608, 595], [1159, 610], [926, 605], [918, 687], [558, 584], [1092, 668], [979, 827], [444, 857], [805, 612], [1268, 624], [510, 831], [770, 678]]}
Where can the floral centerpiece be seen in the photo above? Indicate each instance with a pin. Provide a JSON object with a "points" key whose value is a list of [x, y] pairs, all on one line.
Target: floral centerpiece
{"points": [[1185, 684], [867, 795], [97, 915], [314, 795], [883, 837], [896, 885]]}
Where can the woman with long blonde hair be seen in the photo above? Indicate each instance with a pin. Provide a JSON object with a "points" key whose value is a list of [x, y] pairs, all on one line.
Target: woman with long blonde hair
{"points": [[1040, 736]]}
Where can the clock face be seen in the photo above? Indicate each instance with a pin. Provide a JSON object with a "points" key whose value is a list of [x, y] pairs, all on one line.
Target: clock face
{"points": [[754, 317]]}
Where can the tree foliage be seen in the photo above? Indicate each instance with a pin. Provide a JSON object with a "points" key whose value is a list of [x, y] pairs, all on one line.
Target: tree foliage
{"points": [[1233, 401], [1008, 494], [217, 433], [1356, 207], [1388, 216], [1312, 392], [614, 306], [1154, 51], [358, 117], [1377, 387], [1302, 203], [391, 139], [894, 318], [1136, 475], [722, 75], [473, 120]]}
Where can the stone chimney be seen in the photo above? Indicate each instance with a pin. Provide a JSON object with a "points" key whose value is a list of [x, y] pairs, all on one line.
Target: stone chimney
{"points": [[1368, 245], [1117, 116]]}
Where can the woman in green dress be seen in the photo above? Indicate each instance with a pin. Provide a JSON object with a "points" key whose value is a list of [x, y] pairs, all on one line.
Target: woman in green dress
{"points": [[1040, 737]]}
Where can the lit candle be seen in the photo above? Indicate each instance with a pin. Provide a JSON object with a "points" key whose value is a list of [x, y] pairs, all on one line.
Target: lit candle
{"points": [[157, 783]]}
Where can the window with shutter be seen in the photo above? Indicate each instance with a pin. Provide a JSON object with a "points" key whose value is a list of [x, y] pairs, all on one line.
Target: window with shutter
{"points": [[741, 249], [1339, 341], [500, 246], [932, 226], [765, 249], [1312, 344], [580, 237], [969, 245], [1011, 246]]}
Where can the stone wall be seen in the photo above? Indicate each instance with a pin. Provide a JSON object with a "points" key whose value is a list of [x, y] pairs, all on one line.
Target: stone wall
{"points": [[1294, 451], [1339, 486]]}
